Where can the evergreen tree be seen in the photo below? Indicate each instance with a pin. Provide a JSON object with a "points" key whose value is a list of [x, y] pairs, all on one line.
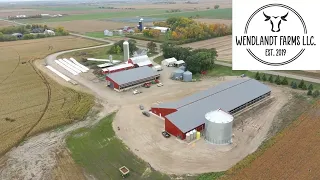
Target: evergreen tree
{"points": [[257, 76], [304, 87], [294, 85], [315, 93], [264, 78], [301, 84], [310, 87], [309, 92], [278, 81], [270, 79], [292, 82], [284, 81]]}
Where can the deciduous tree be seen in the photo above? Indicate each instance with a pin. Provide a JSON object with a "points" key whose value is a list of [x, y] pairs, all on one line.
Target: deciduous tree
{"points": [[152, 46]]}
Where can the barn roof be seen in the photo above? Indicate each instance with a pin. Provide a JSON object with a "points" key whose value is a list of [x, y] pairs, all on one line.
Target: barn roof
{"points": [[200, 95], [226, 96], [131, 75], [140, 59]]}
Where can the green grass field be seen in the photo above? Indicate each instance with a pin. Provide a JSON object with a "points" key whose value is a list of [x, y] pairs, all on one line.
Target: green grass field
{"points": [[101, 153], [73, 8], [214, 14], [91, 16], [95, 34]]}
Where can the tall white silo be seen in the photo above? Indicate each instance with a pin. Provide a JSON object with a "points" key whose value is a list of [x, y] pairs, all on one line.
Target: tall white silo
{"points": [[126, 51], [218, 127]]}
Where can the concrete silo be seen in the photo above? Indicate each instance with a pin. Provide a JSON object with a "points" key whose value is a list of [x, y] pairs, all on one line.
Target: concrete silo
{"points": [[218, 127], [126, 51], [187, 76]]}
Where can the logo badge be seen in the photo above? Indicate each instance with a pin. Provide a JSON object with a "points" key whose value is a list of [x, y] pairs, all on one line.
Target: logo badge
{"points": [[274, 35]]}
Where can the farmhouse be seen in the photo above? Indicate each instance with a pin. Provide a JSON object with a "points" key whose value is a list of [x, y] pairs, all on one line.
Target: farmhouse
{"points": [[107, 33], [49, 32], [140, 61], [161, 29], [189, 113], [132, 77]]}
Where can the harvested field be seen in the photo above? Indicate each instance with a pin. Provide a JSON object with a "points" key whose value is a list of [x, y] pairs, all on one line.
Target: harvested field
{"points": [[203, 4], [5, 24], [83, 26], [222, 44], [215, 21], [33, 102], [294, 153]]}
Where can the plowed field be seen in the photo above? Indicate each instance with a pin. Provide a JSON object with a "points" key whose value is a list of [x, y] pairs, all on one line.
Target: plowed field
{"points": [[295, 154], [222, 44]]}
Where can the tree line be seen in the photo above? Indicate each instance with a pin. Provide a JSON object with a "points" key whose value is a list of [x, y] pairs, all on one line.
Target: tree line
{"points": [[294, 85], [37, 29], [187, 29]]}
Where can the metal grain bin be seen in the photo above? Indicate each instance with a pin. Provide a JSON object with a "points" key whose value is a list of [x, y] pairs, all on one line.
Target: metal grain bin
{"points": [[177, 74], [218, 127], [187, 76], [183, 68]]}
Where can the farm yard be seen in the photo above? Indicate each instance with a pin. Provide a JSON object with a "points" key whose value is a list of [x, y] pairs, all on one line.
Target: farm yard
{"points": [[223, 46], [35, 103], [295, 151]]}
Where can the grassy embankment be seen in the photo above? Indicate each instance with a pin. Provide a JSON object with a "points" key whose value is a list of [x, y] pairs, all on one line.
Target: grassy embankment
{"points": [[101, 153]]}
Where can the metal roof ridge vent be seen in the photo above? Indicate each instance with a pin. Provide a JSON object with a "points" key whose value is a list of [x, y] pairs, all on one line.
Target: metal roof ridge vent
{"points": [[215, 93]]}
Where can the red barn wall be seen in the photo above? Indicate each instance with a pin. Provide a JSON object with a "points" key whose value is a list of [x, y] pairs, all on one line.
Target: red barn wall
{"points": [[172, 129], [116, 86], [162, 111]]}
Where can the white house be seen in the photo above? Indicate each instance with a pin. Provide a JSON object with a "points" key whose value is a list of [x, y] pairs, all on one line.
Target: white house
{"points": [[107, 33], [49, 32], [162, 29], [169, 62]]}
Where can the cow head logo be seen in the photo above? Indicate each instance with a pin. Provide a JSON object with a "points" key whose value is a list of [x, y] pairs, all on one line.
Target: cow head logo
{"points": [[275, 21]]}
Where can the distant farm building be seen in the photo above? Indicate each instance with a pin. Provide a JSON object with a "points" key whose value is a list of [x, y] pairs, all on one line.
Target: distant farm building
{"points": [[189, 113], [107, 33], [129, 78], [140, 61], [117, 32], [117, 68], [169, 62], [18, 35], [49, 32], [161, 29]]}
